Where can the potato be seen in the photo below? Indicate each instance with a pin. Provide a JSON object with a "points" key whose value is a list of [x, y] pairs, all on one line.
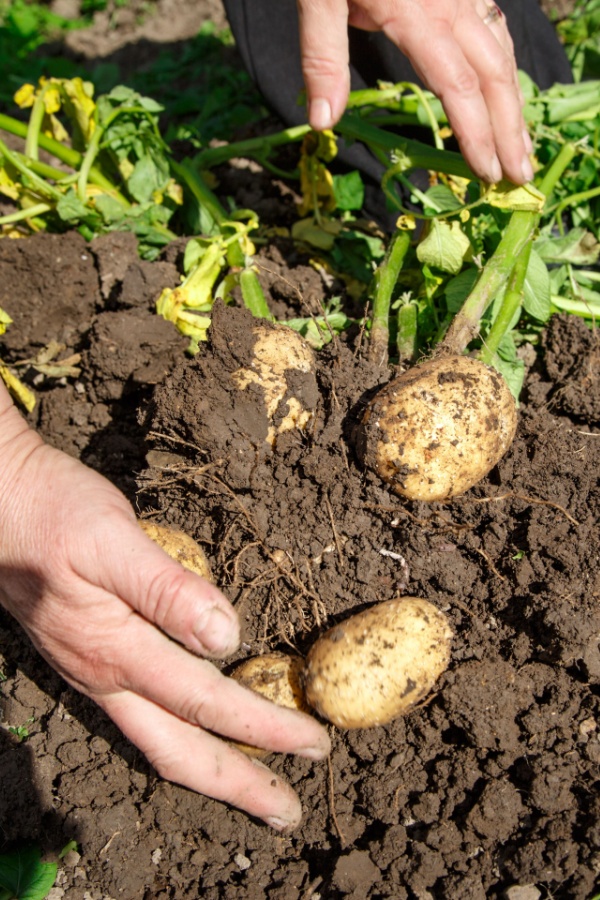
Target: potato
{"points": [[283, 362], [276, 676], [436, 430], [179, 546], [378, 664]]}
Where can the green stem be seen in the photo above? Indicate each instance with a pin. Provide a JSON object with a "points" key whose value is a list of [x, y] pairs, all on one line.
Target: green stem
{"points": [[31, 212], [87, 162], [406, 340], [518, 232], [512, 300], [193, 180], [385, 282], [416, 154], [34, 126], [66, 155], [38, 184], [253, 148]]}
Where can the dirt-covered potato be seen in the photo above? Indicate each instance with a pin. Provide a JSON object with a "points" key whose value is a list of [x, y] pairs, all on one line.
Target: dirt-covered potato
{"points": [[276, 676], [284, 368], [179, 546], [436, 430], [378, 664]]}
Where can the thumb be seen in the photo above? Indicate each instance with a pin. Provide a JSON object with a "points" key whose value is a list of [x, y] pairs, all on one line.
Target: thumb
{"points": [[182, 604], [323, 29]]}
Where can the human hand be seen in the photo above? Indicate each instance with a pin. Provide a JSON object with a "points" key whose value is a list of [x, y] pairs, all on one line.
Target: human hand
{"points": [[461, 50], [113, 614]]}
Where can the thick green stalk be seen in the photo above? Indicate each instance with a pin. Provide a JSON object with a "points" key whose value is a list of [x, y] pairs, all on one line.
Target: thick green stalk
{"points": [[385, 282], [513, 297], [416, 154], [186, 172], [406, 340], [518, 232]]}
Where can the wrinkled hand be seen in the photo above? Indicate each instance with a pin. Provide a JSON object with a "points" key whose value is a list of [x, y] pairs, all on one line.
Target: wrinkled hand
{"points": [[114, 615], [468, 64]]}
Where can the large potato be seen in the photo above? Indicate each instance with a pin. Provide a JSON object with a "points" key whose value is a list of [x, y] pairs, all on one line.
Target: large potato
{"points": [[179, 546], [436, 430], [276, 676], [378, 664], [283, 367]]}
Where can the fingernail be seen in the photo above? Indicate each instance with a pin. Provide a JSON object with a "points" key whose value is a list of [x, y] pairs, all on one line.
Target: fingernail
{"points": [[527, 141], [217, 632], [527, 169], [495, 170], [279, 824], [315, 753], [319, 114]]}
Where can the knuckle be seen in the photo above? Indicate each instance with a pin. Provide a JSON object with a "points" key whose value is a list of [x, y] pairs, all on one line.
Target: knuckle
{"points": [[502, 70], [163, 600], [465, 81], [169, 763], [202, 707], [320, 67]]}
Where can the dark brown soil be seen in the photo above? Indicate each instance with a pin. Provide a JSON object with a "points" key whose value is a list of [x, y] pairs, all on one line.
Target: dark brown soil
{"points": [[490, 789], [492, 784]]}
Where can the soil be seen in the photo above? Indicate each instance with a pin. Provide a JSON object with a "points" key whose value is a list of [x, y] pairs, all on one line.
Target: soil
{"points": [[489, 789]]}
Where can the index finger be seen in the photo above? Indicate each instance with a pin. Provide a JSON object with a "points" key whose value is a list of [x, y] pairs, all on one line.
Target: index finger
{"points": [[439, 59], [197, 692], [323, 28]]}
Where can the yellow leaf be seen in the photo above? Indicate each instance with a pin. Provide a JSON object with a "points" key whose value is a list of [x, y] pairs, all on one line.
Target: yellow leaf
{"points": [[79, 107], [25, 96], [52, 98], [317, 235], [5, 321], [506, 195], [406, 223], [17, 389]]}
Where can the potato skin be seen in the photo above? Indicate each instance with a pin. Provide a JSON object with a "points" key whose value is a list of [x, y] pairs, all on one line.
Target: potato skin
{"points": [[179, 546], [276, 676], [283, 364], [378, 664], [437, 429]]}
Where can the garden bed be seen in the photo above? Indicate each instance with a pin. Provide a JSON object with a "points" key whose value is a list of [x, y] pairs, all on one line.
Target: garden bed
{"points": [[492, 784]]}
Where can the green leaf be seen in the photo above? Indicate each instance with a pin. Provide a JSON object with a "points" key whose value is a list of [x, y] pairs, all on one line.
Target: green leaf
{"points": [[445, 247], [536, 289], [149, 176], [71, 209], [458, 288], [579, 247], [24, 876], [349, 191], [513, 372], [442, 199]]}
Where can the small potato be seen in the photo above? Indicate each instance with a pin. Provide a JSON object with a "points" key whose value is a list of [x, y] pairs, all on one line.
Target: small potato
{"points": [[283, 366], [378, 664], [276, 676], [179, 546], [436, 430]]}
